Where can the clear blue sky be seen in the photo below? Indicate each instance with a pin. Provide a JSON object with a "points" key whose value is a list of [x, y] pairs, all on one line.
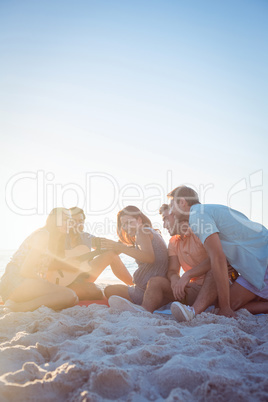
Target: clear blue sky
{"points": [[132, 89]]}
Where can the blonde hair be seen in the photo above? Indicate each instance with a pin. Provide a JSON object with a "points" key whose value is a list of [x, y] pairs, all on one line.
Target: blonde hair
{"points": [[56, 243]]}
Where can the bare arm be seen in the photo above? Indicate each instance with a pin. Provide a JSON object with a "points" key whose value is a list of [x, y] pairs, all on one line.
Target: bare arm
{"points": [[174, 268], [181, 283], [39, 246], [220, 272], [199, 270], [144, 252]]}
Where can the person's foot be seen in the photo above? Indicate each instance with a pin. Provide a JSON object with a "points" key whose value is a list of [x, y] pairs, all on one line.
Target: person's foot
{"points": [[121, 304], [181, 312]]}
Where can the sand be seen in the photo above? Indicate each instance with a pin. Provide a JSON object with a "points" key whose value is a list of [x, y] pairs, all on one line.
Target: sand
{"points": [[98, 354]]}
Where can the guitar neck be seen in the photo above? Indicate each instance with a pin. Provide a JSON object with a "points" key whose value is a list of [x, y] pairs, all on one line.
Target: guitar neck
{"points": [[89, 256], [60, 273]]}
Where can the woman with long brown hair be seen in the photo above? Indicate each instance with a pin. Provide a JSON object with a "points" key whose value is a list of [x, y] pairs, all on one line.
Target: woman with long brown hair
{"points": [[24, 287], [138, 240]]}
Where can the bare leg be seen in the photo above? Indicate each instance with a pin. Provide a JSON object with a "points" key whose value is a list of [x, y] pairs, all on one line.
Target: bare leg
{"points": [[241, 297], [109, 258], [257, 307], [34, 293], [120, 270], [86, 291], [157, 294], [207, 294], [117, 290], [191, 292]]}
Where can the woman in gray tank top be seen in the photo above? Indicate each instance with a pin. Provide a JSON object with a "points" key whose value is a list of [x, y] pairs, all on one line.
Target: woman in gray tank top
{"points": [[138, 240]]}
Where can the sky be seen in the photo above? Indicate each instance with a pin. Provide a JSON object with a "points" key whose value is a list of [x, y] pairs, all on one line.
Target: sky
{"points": [[109, 103]]}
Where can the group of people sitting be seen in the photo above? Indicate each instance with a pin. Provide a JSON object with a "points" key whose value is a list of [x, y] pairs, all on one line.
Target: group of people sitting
{"points": [[223, 255]]}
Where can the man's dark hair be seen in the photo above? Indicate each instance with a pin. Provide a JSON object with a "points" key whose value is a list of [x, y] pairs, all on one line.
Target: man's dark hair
{"points": [[163, 208], [185, 192], [76, 211]]}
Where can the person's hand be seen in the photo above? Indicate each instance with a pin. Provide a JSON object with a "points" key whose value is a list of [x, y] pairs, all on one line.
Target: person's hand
{"points": [[109, 244], [227, 312], [178, 286]]}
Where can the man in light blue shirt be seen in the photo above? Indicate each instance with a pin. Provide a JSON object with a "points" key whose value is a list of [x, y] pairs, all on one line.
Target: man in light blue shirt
{"points": [[227, 235]]}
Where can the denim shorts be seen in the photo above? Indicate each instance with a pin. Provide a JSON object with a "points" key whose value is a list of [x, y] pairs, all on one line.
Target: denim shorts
{"points": [[136, 294], [262, 293]]}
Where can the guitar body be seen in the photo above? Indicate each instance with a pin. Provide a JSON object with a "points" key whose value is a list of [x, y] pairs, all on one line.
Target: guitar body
{"points": [[64, 272], [63, 276], [77, 251]]}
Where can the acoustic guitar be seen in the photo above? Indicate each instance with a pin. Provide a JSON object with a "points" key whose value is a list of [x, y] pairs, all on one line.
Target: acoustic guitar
{"points": [[76, 262]]}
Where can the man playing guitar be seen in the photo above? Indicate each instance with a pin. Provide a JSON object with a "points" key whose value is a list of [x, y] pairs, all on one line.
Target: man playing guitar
{"points": [[80, 269]]}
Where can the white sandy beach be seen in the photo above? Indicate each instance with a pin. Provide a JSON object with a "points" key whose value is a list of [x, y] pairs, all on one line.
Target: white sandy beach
{"points": [[96, 354]]}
